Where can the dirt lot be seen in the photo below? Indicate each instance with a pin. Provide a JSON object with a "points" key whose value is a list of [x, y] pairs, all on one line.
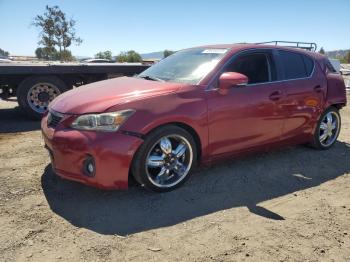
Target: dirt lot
{"points": [[288, 205]]}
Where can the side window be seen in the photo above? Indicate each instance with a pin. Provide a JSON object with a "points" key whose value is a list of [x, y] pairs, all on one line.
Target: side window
{"points": [[295, 65], [309, 65], [329, 67], [255, 66]]}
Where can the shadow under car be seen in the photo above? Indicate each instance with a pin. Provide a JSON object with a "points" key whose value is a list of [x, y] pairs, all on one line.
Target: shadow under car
{"points": [[243, 182]]}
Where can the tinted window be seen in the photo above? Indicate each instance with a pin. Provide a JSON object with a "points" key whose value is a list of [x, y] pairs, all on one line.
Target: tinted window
{"points": [[309, 65], [293, 64], [330, 68], [254, 66]]}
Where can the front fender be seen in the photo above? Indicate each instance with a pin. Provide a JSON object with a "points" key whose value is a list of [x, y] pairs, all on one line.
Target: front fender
{"points": [[188, 108]]}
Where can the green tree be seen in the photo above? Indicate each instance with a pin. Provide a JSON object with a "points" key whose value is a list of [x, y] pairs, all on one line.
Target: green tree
{"points": [[129, 56], [122, 57], [4, 53], [347, 57], [46, 53], [46, 23], [342, 59], [104, 55], [65, 55], [322, 51], [56, 30], [167, 53]]}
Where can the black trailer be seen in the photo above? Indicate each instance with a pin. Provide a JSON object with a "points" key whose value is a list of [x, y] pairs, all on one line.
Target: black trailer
{"points": [[36, 85]]}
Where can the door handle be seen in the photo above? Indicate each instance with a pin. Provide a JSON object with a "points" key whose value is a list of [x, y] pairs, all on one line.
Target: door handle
{"points": [[318, 89], [274, 96]]}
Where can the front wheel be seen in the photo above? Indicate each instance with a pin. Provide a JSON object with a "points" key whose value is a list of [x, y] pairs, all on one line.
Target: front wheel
{"points": [[165, 159], [327, 129]]}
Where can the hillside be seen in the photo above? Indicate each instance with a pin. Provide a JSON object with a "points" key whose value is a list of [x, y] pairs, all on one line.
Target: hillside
{"points": [[153, 55], [337, 53]]}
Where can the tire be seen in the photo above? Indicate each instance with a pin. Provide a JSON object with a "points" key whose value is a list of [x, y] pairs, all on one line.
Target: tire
{"points": [[320, 133], [174, 163], [36, 92]]}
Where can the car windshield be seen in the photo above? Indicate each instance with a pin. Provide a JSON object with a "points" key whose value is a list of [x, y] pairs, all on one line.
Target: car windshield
{"points": [[186, 66]]}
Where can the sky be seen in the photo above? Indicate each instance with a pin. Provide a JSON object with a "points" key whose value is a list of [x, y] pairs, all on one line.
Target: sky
{"points": [[154, 25]]}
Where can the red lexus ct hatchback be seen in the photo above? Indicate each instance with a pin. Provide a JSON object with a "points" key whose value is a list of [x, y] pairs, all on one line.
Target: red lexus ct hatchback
{"points": [[198, 105]]}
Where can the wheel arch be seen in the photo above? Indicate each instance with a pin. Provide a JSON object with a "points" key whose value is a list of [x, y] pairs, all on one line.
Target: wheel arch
{"points": [[193, 133], [336, 105], [327, 106], [188, 128], [315, 142]]}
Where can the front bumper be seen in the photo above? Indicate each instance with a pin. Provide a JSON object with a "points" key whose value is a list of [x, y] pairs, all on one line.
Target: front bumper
{"points": [[112, 153]]}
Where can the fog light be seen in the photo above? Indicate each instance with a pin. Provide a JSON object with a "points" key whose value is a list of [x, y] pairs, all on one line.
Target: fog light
{"points": [[89, 168]]}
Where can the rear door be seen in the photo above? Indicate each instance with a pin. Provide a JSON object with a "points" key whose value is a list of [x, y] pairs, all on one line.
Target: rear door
{"points": [[305, 91]]}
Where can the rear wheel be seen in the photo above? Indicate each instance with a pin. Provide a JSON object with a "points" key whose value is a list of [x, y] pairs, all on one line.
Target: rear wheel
{"points": [[165, 159], [35, 93], [328, 129]]}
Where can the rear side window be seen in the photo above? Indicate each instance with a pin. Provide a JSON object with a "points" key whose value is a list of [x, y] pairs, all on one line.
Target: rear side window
{"points": [[309, 65], [295, 65]]}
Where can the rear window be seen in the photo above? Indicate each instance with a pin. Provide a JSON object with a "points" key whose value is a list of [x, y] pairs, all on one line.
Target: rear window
{"points": [[329, 67], [295, 65]]}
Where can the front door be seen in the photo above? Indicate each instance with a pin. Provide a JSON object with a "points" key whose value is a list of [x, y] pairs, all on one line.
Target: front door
{"points": [[247, 116]]}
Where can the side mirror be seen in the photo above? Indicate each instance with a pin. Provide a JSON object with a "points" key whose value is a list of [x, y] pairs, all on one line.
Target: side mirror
{"points": [[231, 79]]}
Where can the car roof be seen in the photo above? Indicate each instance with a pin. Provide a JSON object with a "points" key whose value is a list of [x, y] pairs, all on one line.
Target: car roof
{"points": [[243, 46]]}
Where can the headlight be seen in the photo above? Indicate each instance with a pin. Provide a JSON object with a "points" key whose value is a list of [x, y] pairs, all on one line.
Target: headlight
{"points": [[107, 122]]}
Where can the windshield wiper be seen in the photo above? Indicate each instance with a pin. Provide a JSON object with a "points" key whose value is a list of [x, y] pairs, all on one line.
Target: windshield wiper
{"points": [[151, 78]]}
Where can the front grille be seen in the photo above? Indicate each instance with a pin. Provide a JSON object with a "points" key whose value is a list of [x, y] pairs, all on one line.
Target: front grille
{"points": [[53, 119]]}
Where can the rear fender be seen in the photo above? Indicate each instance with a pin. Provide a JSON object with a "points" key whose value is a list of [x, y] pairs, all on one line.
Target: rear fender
{"points": [[336, 90]]}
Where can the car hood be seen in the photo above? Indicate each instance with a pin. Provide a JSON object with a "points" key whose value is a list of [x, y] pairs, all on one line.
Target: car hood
{"points": [[99, 96]]}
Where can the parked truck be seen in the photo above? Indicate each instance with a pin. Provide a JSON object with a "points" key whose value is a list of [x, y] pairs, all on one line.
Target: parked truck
{"points": [[36, 85]]}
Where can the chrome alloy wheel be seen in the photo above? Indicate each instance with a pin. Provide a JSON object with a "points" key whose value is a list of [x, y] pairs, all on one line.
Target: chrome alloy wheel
{"points": [[169, 161], [329, 129], [40, 95]]}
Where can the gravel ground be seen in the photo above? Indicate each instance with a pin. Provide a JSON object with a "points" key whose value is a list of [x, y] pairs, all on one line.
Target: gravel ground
{"points": [[292, 204]]}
